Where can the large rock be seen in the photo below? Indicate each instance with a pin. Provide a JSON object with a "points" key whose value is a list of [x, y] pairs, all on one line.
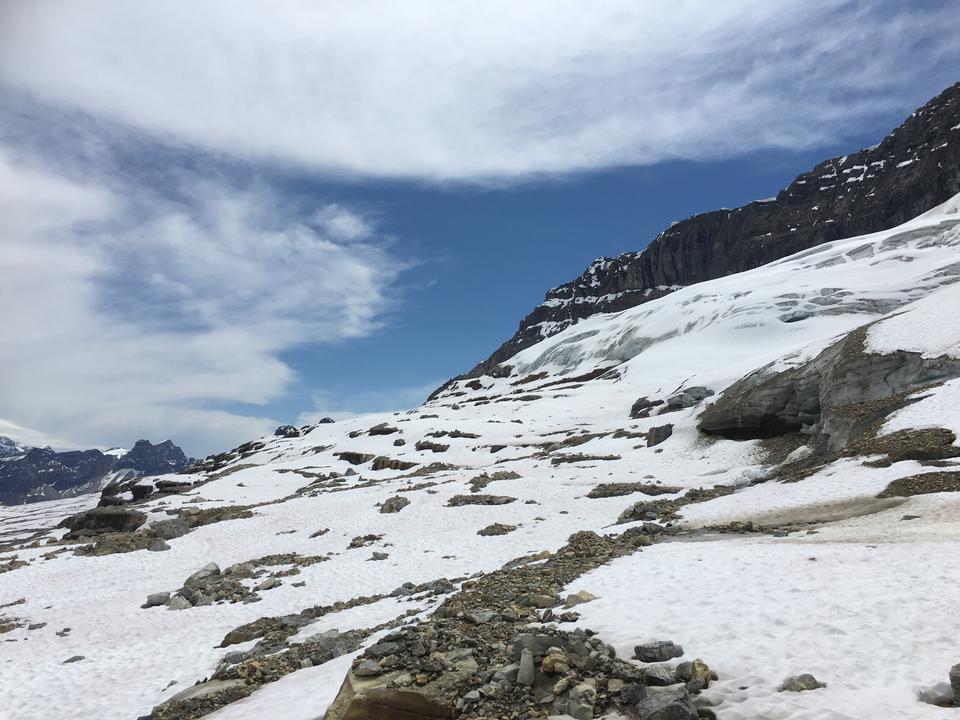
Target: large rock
{"points": [[824, 393], [394, 504], [370, 698], [104, 520]]}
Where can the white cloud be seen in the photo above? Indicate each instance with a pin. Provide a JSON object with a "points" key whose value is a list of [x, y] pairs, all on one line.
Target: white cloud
{"points": [[33, 438], [442, 90], [328, 404], [127, 312]]}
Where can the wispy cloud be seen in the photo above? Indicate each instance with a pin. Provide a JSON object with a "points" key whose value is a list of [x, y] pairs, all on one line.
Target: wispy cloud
{"points": [[496, 90], [334, 405], [129, 311]]}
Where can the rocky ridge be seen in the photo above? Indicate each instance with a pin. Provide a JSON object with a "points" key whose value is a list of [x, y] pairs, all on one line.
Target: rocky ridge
{"points": [[914, 168]]}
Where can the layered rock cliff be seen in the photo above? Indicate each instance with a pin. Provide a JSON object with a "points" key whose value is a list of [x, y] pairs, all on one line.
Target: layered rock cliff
{"points": [[913, 169]]}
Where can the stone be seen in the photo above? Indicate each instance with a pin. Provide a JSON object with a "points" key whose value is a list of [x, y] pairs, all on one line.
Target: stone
{"points": [[526, 671], [578, 598], [657, 435], [800, 683], [367, 668], [75, 658], [667, 703], [158, 545], [460, 500], [354, 458], [658, 675], [268, 584], [955, 683], [155, 599], [496, 529], [169, 529], [699, 676], [479, 616], [394, 504], [659, 651], [203, 575], [178, 603], [378, 556], [508, 673], [103, 520]]}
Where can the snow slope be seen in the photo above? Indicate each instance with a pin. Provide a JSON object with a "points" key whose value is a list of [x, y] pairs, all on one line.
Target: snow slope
{"points": [[873, 615]]}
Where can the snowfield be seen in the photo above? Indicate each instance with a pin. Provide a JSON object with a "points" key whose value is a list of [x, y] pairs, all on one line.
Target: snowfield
{"points": [[852, 592]]}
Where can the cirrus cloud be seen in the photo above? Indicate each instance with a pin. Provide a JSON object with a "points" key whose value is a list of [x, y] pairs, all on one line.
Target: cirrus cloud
{"points": [[492, 91]]}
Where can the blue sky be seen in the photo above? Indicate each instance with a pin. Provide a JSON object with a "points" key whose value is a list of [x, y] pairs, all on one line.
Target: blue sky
{"points": [[217, 219]]}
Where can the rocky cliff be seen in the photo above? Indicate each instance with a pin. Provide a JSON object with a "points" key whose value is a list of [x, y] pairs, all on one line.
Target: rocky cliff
{"points": [[33, 474], [914, 168]]}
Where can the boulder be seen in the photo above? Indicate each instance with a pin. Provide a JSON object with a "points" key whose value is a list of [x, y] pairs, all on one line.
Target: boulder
{"points": [[169, 529], [394, 504], [666, 703], [155, 599], [369, 698], [657, 435], [104, 520], [955, 683], [823, 393], [354, 458], [578, 598], [800, 683], [382, 462], [659, 651]]}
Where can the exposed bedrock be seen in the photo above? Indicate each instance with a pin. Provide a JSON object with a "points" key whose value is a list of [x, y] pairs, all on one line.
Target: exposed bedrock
{"points": [[840, 393]]}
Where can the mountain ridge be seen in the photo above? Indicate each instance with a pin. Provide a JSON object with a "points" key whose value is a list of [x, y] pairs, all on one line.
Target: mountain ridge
{"points": [[912, 169], [32, 474]]}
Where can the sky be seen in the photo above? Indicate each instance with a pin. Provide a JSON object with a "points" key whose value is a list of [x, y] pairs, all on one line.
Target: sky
{"points": [[216, 218]]}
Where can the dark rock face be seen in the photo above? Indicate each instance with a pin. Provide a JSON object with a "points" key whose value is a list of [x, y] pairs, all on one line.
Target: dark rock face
{"points": [[287, 431], [150, 459], [838, 394], [43, 474], [104, 520], [913, 169], [33, 474]]}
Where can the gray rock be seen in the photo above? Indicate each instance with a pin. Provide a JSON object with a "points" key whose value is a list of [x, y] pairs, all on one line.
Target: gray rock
{"points": [[158, 546], [508, 673], [955, 683], [394, 504], [178, 603], [800, 683], [202, 575], [659, 651], [155, 599], [659, 675], [527, 671], [75, 658], [479, 616], [367, 668], [268, 584], [382, 649], [657, 435], [667, 703], [169, 529]]}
